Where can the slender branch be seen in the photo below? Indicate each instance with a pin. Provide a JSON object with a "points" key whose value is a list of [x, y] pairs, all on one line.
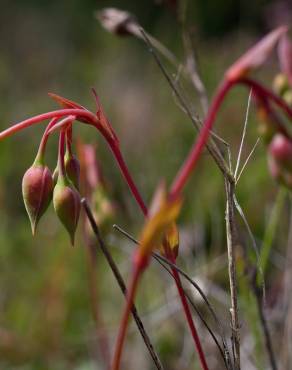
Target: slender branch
{"points": [[230, 234], [242, 136], [192, 68], [121, 284]]}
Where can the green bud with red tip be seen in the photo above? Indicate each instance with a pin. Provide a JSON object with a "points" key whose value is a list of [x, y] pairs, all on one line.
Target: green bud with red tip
{"points": [[37, 191], [72, 168], [66, 201]]}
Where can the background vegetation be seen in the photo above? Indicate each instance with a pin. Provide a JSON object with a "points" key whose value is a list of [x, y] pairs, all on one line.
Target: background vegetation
{"points": [[59, 46]]}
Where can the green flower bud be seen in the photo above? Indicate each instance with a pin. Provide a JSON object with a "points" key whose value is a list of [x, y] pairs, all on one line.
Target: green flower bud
{"points": [[37, 190], [72, 168], [66, 201]]}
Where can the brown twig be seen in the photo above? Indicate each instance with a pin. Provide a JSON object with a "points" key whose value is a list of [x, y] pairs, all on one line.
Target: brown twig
{"points": [[121, 284], [230, 235]]}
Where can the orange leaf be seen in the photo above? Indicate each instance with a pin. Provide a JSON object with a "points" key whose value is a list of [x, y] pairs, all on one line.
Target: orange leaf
{"points": [[162, 215]]}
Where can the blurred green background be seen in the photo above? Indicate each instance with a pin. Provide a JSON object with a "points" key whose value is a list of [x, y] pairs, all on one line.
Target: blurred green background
{"points": [[59, 46]]}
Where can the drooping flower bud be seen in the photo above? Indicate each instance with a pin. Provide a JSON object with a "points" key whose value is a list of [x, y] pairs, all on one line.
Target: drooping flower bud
{"points": [[66, 201], [280, 149], [72, 168], [37, 190]]}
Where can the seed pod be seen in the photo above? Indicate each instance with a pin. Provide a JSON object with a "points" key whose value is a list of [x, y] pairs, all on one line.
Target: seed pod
{"points": [[66, 201], [37, 190], [72, 167], [280, 149]]}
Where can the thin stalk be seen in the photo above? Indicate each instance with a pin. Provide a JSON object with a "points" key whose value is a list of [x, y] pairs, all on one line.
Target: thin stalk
{"points": [[195, 152], [230, 235], [44, 140]]}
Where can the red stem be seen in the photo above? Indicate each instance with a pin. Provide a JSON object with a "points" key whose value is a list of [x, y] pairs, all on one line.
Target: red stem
{"points": [[42, 117], [195, 152], [118, 155], [124, 169], [136, 274], [263, 91], [44, 140], [188, 314]]}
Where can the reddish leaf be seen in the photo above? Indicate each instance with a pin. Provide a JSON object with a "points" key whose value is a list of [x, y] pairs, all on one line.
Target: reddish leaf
{"points": [[70, 104], [256, 55]]}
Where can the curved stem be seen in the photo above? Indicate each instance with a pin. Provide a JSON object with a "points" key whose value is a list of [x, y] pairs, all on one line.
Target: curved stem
{"points": [[263, 91], [195, 152], [126, 173], [42, 117], [136, 274], [44, 140]]}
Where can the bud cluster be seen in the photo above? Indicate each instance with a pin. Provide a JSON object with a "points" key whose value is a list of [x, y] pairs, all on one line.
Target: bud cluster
{"points": [[40, 186]]}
